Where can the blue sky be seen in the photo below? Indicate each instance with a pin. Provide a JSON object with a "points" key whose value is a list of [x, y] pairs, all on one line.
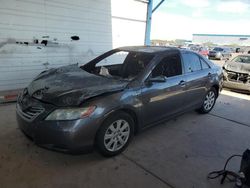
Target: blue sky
{"points": [[181, 18]]}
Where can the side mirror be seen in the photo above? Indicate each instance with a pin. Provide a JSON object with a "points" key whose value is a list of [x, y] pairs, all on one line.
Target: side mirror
{"points": [[158, 79]]}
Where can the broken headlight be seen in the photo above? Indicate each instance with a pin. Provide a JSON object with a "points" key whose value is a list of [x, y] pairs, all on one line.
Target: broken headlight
{"points": [[71, 113]]}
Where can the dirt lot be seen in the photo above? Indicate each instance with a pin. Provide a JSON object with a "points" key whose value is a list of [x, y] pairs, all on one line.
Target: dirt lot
{"points": [[178, 153]]}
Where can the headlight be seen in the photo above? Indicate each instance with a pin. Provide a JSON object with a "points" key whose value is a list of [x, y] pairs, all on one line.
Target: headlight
{"points": [[71, 113]]}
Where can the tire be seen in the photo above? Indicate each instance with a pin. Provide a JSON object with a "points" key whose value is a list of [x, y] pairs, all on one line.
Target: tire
{"points": [[208, 101], [112, 145]]}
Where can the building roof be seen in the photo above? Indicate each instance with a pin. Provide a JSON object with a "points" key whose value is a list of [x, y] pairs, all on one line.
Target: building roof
{"points": [[221, 35]]}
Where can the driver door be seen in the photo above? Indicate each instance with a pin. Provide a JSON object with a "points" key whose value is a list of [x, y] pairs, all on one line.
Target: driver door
{"points": [[163, 98]]}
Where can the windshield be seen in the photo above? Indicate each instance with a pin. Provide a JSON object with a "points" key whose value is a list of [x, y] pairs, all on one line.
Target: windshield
{"points": [[124, 65], [241, 59], [218, 49]]}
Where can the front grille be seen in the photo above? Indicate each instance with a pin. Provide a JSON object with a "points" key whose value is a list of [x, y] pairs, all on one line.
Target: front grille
{"points": [[237, 77], [30, 113]]}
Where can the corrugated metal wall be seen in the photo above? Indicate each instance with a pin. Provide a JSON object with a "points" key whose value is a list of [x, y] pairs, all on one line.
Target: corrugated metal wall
{"points": [[36, 35], [24, 22]]}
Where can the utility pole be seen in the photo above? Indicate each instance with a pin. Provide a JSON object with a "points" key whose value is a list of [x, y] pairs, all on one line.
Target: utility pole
{"points": [[150, 11], [148, 23]]}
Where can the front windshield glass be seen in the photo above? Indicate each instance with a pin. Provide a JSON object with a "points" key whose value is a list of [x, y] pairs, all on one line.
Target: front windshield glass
{"points": [[124, 65], [242, 59]]}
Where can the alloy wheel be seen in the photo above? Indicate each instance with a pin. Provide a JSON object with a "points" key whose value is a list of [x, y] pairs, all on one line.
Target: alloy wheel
{"points": [[209, 100], [117, 135]]}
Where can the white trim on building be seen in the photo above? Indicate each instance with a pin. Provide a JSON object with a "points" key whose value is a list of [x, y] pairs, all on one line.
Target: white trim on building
{"points": [[242, 40]]}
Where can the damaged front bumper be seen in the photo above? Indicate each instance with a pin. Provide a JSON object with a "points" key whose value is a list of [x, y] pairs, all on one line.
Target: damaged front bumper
{"points": [[236, 80], [70, 136]]}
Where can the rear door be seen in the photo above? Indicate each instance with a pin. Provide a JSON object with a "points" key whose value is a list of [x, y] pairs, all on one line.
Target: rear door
{"points": [[198, 74]]}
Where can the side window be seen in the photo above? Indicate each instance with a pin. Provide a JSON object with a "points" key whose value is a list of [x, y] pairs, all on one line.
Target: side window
{"points": [[191, 62], [204, 64], [168, 66]]}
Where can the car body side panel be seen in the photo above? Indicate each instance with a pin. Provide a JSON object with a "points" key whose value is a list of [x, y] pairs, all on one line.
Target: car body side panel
{"points": [[161, 100], [196, 87]]}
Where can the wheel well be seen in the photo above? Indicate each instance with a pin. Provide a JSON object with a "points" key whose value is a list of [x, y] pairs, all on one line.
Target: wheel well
{"points": [[128, 111], [216, 87], [134, 116]]}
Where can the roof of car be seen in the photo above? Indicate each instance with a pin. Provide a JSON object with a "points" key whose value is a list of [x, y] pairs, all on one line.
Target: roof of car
{"points": [[147, 49]]}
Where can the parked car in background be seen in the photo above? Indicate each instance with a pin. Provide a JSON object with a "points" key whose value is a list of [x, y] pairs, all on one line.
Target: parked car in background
{"points": [[243, 50], [247, 50], [203, 51], [220, 53], [239, 50], [194, 48], [200, 49], [236, 73], [104, 102]]}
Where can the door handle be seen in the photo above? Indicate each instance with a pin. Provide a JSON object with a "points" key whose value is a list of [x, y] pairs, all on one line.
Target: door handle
{"points": [[182, 83]]}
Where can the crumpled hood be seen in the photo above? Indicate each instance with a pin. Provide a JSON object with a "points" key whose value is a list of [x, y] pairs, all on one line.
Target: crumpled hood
{"points": [[70, 86], [237, 67]]}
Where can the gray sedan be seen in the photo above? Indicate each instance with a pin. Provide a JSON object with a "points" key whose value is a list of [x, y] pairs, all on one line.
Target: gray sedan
{"points": [[220, 53], [103, 103]]}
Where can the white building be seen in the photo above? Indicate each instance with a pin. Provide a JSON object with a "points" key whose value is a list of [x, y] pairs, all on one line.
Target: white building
{"points": [[37, 35], [242, 40]]}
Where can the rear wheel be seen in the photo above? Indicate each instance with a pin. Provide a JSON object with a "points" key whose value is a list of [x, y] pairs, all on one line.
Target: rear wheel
{"points": [[209, 101], [115, 134]]}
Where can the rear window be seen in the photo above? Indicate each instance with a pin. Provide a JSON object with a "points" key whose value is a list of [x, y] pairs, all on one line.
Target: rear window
{"points": [[191, 62], [218, 49], [204, 64]]}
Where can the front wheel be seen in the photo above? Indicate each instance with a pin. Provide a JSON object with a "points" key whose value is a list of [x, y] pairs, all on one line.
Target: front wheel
{"points": [[115, 134], [209, 101]]}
